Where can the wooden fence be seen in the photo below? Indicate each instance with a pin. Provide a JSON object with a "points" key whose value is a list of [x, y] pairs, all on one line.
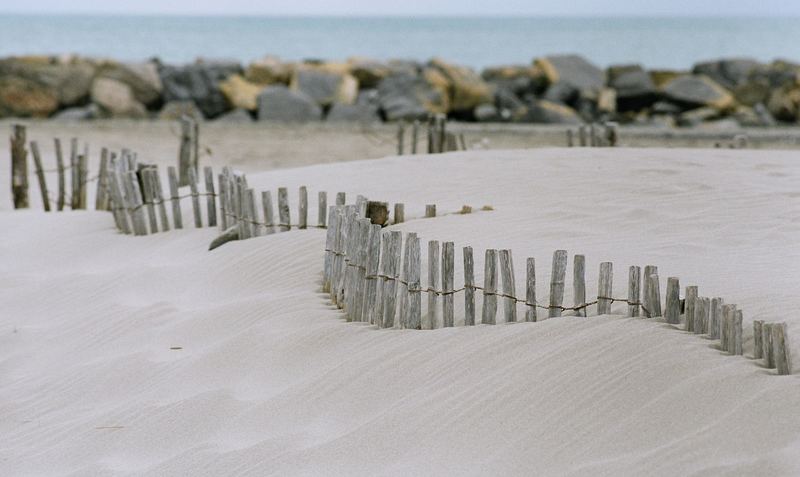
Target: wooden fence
{"points": [[374, 275]]}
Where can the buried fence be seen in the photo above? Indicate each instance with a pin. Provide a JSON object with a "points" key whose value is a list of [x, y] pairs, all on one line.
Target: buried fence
{"points": [[374, 275]]}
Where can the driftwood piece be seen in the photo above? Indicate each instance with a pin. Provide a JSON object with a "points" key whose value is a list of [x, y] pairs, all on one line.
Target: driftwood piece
{"points": [[228, 236]]}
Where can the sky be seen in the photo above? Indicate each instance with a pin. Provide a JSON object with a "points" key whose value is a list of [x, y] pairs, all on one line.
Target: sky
{"points": [[413, 7]]}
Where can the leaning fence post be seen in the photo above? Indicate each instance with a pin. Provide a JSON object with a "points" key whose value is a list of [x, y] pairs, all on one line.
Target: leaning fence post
{"points": [[136, 203], [530, 290], [433, 279], [605, 288], [210, 197], [781, 349], [399, 213], [758, 342], [176, 201], [469, 287], [389, 295], [579, 284], [322, 206], [19, 167], [654, 301], [283, 210], [489, 315], [557, 276], [509, 286], [448, 275], [37, 162], [634, 295], [673, 301], [302, 208]]}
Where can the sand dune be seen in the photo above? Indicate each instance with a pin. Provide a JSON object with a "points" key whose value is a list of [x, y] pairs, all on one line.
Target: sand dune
{"points": [[269, 380]]}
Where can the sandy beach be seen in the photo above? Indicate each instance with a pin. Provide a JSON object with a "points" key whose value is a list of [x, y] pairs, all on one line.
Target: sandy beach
{"points": [[124, 355]]}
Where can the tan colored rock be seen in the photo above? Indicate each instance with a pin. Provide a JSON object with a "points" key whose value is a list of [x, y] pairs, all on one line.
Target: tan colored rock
{"points": [[466, 88], [784, 103], [441, 85], [573, 70], [607, 100], [69, 81], [142, 78], [699, 90], [662, 77], [368, 72], [241, 93], [117, 98], [269, 70], [20, 97]]}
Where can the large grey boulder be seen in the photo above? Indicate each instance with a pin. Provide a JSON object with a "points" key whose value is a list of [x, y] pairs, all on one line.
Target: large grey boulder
{"points": [[238, 115], [325, 87], [198, 82], [698, 90], [548, 112], [36, 79], [634, 86], [364, 113], [279, 103], [573, 70], [409, 96], [142, 78], [730, 72], [116, 98]]}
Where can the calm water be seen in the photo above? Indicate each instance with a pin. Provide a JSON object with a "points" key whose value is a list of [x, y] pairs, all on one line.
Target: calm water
{"points": [[655, 42]]}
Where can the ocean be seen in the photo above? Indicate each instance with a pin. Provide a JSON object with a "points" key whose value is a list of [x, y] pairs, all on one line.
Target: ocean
{"points": [[656, 42]]}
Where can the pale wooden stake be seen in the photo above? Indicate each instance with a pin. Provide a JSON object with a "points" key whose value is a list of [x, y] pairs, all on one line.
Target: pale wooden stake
{"points": [[706, 302], [579, 284], [149, 199], [402, 310], [159, 193], [654, 302], [690, 296], [570, 138], [83, 180], [37, 162], [448, 278], [699, 313], [399, 213], [414, 134], [61, 181], [758, 342], [359, 271], [769, 345], [211, 205], [509, 285], [135, 194], [340, 198], [283, 210], [557, 277], [380, 281], [401, 132], [781, 349], [329, 239], [119, 202], [737, 333], [185, 162], [74, 169], [336, 259], [728, 317], [430, 210], [648, 270], [672, 312], [433, 284], [222, 187], [19, 167], [469, 287], [582, 137], [530, 290], [177, 219], [414, 320], [489, 315], [371, 276], [322, 206], [302, 208], [266, 205], [634, 288], [605, 288], [252, 211], [389, 295], [198, 215], [715, 318], [101, 195]]}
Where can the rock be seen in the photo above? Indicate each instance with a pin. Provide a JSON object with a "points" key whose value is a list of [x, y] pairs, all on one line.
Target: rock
{"points": [[199, 83], [368, 72], [240, 93], [282, 104], [324, 86], [21, 97], [407, 96], [665, 107], [364, 113], [764, 115], [116, 98], [486, 112], [68, 81], [723, 124], [607, 101], [662, 77], [173, 110], [784, 103], [82, 113], [757, 116], [573, 70], [698, 90], [269, 70], [548, 112], [519, 79], [142, 78], [697, 116], [465, 87], [753, 91], [634, 86], [729, 73], [561, 93], [237, 115], [509, 106]]}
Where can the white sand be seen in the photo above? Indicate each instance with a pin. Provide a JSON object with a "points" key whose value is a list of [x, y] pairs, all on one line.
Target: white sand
{"points": [[271, 381]]}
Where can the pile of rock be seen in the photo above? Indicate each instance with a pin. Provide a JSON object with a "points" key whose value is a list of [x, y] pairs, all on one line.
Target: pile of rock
{"points": [[562, 89]]}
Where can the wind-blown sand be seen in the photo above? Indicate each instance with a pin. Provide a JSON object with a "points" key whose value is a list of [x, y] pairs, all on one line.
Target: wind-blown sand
{"points": [[270, 380]]}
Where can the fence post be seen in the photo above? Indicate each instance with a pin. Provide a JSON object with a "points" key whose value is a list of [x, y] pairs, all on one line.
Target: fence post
{"points": [[489, 315], [340, 198], [284, 217], [371, 274], [648, 270], [715, 318], [781, 349], [266, 205], [83, 179], [360, 272], [399, 213], [252, 213], [414, 320], [322, 206], [690, 296], [673, 304], [302, 208], [605, 288], [61, 181], [198, 215], [37, 162], [147, 188], [448, 276], [414, 133], [570, 138], [19, 167], [389, 295], [737, 333], [530, 290], [401, 132], [326, 269], [336, 259], [177, 219], [118, 202], [579, 284], [509, 285], [706, 304], [469, 287], [404, 281], [728, 313], [557, 276], [210, 197], [634, 290], [699, 314], [768, 343], [433, 278], [74, 170], [758, 342], [222, 187], [654, 301], [185, 162], [582, 135], [381, 278], [135, 196], [159, 194], [101, 195], [430, 211]]}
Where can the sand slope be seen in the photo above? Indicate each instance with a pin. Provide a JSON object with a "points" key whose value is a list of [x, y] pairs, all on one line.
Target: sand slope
{"points": [[270, 381]]}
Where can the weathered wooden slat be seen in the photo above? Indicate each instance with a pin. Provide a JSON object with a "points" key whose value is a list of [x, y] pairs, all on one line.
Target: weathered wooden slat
{"points": [[389, 295], [431, 321], [414, 320], [648, 270], [715, 318], [222, 187], [403, 288], [780, 348], [758, 342], [489, 315], [672, 312], [75, 171], [118, 202], [769, 345], [582, 137], [360, 272], [83, 180], [159, 194], [322, 207], [177, 218], [329, 238], [185, 162], [706, 303], [135, 195], [469, 287], [302, 208], [198, 215], [371, 276], [149, 199], [340, 198], [430, 210], [509, 285], [414, 134], [579, 284], [62, 191], [654, 302], [399, 213], [738, 339], [37, 163], [284, 217], [448, 278], [634, 290], [401, 133], [530, 290], [699, 313], [728, 316], [690, 296], [605, 288], [101, 194], [336, 258], [269, 218], [570, 138], [557, 277], [252, 213], [211, 197]]}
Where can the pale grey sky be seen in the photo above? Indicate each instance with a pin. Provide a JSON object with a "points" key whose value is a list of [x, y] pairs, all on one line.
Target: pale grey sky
{"points": [[414, 7]]}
